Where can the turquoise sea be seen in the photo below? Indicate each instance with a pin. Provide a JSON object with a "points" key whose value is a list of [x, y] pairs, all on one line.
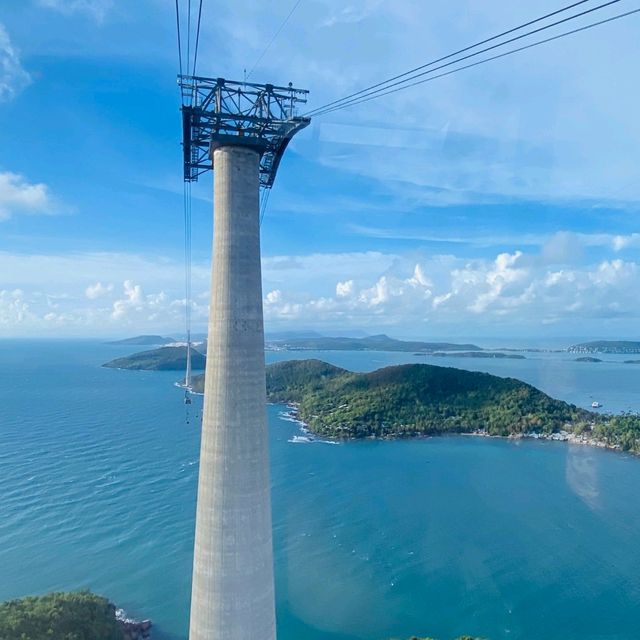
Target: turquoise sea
{"points": [[443, 536]]}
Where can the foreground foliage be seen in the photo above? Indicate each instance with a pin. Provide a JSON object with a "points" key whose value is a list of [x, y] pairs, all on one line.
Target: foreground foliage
{"points": [[420, 399], [59, 616]]}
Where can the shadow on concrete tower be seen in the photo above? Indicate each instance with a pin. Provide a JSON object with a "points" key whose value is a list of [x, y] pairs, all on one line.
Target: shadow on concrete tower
{"points": [[240, 130]]}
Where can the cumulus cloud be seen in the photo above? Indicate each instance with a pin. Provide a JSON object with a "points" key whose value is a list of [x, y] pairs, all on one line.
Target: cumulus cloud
{"points": [[17, 195], [345, 289], [513, 289], [132, 300], [98, 290], [14, 309], [97, 9], [13, 77], [414, 294], [46, 294]]}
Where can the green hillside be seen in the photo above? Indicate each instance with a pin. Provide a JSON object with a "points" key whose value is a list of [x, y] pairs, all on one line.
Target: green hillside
{"points": [[414, 399], [59, 616], [162, 359], [420, 399]]}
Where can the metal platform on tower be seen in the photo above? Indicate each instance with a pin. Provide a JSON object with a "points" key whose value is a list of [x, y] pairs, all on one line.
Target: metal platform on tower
{"points": [[218, 112]]}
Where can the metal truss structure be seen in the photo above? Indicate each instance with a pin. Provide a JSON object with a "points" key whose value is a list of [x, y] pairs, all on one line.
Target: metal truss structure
{"points": [[218, 112]]}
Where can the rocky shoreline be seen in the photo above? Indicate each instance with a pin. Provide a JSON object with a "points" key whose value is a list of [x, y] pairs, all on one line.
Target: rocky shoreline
{"points": [[133, 629], [559, 436]]}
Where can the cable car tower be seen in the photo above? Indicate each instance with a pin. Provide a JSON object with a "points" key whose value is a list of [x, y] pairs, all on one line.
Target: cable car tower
{"points": [[240, 130]]}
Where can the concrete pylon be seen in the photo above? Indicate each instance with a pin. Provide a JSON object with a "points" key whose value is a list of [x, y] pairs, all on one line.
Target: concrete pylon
{"points": [[233, 588]]}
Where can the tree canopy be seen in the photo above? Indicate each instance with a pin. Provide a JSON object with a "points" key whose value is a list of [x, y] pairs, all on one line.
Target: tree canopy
{"points": [[59, 616]]}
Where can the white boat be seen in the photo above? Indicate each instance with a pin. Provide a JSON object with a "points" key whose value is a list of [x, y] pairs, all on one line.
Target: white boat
{"points": [[595, 404]]}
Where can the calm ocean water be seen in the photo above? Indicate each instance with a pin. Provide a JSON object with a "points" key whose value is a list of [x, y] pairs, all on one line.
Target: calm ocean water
{"points": [[445, 536]]}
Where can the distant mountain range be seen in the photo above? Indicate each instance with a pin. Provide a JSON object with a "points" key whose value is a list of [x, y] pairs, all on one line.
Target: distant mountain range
{"points": [[173, 358], [144, 341], [606, 346], [380, 342], [477, 354]]}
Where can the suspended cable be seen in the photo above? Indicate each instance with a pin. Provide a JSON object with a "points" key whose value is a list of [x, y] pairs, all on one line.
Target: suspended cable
{"points": [[179, 42], [195, 54], [275, 35], [475, 64], [387, 84], [263, 205], [187, 205], [455, 53], [188, 35]]}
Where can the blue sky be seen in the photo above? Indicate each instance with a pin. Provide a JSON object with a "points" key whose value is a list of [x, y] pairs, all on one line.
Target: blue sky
{"points": [[500, 201]]}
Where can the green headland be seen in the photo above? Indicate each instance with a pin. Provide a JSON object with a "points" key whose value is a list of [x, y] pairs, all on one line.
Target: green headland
{"points": [[422, 400], [162, 359]]}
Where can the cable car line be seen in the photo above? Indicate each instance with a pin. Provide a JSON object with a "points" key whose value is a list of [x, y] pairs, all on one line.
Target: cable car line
{"points": [[475, 64], [179, 42], [347, 100], [455, 53], [275, 35], [195, 55]]}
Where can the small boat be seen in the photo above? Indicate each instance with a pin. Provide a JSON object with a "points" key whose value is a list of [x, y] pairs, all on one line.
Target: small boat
{"points": [[595, 405]]}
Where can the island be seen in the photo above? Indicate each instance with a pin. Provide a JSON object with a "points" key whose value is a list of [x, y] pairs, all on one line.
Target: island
{"points": [[162, 359], [68, 616], [477, 354], [379, 342], [425, 400], [632, 362], [606, 346], [588, 359], [144, 341]]}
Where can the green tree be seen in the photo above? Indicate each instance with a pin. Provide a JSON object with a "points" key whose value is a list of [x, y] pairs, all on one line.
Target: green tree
{"points": [[59, 616]]}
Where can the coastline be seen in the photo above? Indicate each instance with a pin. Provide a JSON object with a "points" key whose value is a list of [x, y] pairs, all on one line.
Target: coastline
{"points": [[293, 415]]}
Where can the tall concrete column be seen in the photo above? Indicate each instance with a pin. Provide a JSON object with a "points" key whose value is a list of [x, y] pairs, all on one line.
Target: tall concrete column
{"points": [[233, 589]]}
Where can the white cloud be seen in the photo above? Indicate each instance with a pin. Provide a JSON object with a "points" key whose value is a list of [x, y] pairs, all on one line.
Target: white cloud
{"points": [[46, 294], [558, 246], [14, 310], [350, 14], [97, 9], [449, 294], [135, 306], [98, 290], [414, 294], [345, 289], [19, 196], [13, 77]]}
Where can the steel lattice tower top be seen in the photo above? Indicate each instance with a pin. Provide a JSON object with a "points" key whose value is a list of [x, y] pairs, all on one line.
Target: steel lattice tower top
{"points": [[219, 112]]}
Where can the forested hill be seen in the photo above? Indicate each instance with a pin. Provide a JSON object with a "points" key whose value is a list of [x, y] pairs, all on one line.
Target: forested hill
{"points": [[413, 399], [421, 399], [162, 359]]}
